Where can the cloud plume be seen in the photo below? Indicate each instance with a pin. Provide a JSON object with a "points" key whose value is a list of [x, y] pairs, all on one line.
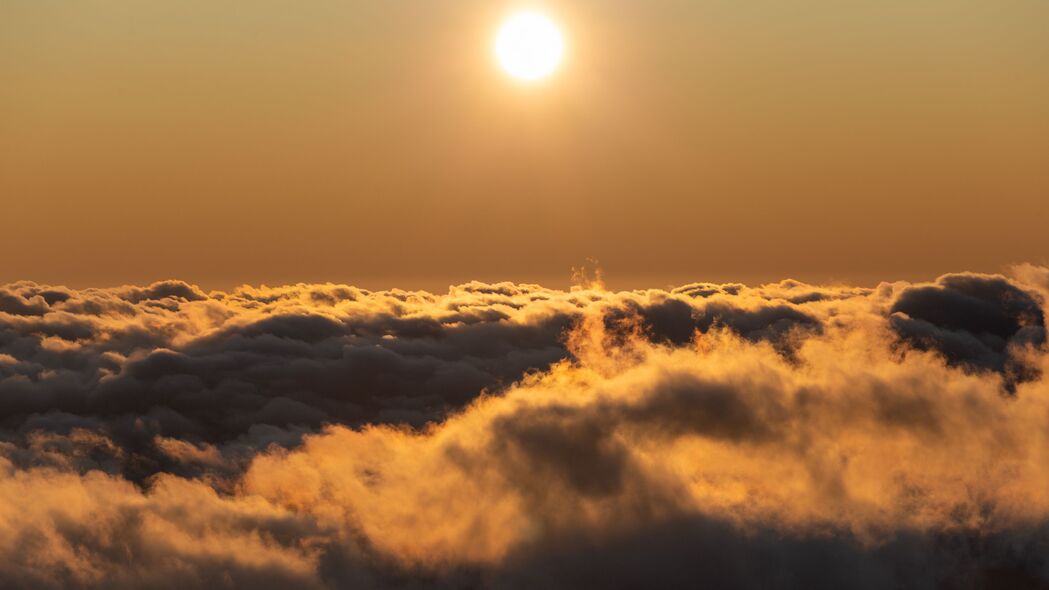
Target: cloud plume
{"points": [[514, 436]]}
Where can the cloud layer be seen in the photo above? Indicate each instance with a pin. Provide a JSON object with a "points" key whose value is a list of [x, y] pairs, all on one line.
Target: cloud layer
{"points": [[509, 435]]}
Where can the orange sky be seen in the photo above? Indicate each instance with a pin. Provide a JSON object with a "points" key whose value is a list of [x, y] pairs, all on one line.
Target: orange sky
{"points": [[374, 141]]}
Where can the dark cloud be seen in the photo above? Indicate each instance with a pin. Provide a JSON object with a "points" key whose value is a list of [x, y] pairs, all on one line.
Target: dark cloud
{"points": [[975, 321], [690, 552], [15, 304]]}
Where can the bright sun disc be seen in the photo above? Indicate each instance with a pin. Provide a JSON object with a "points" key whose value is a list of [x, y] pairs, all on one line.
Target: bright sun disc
{"points": [[529, 46]]}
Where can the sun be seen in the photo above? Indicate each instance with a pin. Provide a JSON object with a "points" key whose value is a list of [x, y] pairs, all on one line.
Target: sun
{"points": [[529, 46]]}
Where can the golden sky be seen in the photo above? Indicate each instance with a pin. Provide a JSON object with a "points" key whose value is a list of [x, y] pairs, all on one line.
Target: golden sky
{"points": [[375, 142]]}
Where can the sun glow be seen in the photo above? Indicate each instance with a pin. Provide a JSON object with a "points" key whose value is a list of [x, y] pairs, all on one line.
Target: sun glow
{"points": [[529, 46]]}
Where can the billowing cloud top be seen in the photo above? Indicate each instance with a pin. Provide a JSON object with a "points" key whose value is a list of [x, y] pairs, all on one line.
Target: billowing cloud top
{"points": [[507, 435]]}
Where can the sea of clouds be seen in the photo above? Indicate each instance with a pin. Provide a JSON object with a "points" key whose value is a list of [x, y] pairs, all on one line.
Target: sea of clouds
{"points": [[513, 436]]}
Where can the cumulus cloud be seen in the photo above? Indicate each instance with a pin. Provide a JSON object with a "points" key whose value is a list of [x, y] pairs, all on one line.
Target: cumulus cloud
{"points": [[507, 435], [973, 321]]}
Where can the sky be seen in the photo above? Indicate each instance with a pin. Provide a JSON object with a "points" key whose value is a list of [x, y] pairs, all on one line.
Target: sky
{"points": [[291, 297], [375, 142]]}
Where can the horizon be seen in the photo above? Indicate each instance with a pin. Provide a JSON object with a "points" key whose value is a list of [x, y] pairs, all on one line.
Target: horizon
{"points": [[564, 282]]}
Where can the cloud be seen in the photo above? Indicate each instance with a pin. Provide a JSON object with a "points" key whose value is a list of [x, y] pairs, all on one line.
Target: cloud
{"points": [[974, 321], [506, 435]]}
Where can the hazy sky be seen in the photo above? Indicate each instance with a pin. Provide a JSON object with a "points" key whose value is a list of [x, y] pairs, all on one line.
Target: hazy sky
{"points": [[375, 142]]}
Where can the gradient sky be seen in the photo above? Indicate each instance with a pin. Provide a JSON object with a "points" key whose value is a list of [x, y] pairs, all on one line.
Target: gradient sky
{"points": [[375, 142]]}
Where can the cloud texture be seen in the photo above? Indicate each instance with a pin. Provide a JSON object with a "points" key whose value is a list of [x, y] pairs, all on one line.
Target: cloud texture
{"points": [[508, 436]]}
